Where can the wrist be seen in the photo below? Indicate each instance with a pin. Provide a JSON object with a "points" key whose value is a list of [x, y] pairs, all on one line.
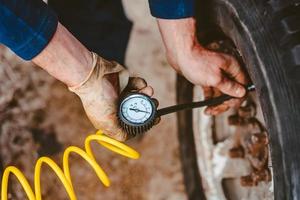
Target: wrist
{"points": [[184, 57], [108, 75], [180, 39], [65, 58]]}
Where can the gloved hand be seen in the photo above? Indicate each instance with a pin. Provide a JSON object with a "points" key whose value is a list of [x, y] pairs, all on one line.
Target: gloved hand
{"points": [[99, 94]]}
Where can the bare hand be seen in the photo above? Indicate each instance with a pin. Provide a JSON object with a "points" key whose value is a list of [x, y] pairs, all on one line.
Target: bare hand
{"points": [[217, 73]]}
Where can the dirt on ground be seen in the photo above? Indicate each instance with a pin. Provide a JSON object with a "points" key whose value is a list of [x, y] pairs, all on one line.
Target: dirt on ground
{"points": [[39, 116]]}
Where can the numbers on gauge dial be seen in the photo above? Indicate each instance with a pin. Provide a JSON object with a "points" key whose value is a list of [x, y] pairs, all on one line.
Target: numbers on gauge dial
{"points": [[137, 109]]}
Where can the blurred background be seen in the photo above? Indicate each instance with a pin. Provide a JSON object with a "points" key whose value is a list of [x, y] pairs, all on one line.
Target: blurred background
{"points": [[39, 117]]}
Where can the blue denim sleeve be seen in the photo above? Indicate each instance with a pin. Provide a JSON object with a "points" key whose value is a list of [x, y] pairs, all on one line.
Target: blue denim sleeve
{"points": [[26, 26], [172, 9]]}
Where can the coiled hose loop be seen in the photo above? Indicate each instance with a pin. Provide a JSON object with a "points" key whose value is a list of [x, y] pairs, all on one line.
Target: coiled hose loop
{"points": [[64, 174]]}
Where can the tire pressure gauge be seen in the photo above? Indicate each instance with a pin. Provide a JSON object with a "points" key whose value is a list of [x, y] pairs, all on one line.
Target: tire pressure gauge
{"points": [[137, 112]]}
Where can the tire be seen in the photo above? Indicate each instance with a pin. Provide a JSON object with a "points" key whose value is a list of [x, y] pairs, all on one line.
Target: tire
{"points": [[267, 35]]}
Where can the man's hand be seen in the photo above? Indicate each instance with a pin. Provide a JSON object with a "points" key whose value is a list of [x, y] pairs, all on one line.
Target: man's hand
{"points": [[99, 94], [217, 73], [95, 80]]}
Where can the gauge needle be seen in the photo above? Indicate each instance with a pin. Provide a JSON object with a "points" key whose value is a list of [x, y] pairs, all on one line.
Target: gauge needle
{"points": [[138, 110]]}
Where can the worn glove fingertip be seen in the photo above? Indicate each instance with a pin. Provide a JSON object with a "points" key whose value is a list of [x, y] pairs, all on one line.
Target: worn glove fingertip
{"points": [[156, 102], [148, 90], [123, 79], [137, 83], [157, 120]]}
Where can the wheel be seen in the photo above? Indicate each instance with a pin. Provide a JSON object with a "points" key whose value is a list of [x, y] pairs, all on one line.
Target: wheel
{"points": [[267, 36]]}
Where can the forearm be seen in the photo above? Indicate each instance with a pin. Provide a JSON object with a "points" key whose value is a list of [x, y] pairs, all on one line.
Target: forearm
{"points": [[31, 29], [65, 58], [179, 37]]}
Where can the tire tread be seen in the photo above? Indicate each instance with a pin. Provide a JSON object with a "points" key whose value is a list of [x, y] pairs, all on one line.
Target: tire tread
{"points": [[286, 15]]}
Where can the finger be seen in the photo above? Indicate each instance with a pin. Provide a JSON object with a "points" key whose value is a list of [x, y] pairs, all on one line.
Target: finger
{"points": [[234, 103], [235, 71], [220, 109], [207, 111], [216, 109], [156, 102], [147, 91], [157, 120], [231, 88], [208, 92], [136, 83]]}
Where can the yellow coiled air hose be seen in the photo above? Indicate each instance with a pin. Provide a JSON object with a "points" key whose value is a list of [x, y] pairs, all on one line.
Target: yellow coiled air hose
{"points": [[64, 174]]}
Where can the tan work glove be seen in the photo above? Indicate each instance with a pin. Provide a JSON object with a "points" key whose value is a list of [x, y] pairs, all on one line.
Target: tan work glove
{"points": [[99, 94]]}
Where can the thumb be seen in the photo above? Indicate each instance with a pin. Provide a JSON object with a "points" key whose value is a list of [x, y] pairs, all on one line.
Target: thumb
{"points": [[231, 88]]}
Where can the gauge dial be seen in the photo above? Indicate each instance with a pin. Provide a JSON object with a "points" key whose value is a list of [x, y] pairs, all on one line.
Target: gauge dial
{"points": [[137, 109]]}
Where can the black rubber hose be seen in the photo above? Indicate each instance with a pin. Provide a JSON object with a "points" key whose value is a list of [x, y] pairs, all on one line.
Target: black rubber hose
{"points": [[198, 104]]}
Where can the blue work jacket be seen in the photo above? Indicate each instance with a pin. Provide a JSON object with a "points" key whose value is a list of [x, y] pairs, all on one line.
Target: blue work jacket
{"points": [[27, 26]]}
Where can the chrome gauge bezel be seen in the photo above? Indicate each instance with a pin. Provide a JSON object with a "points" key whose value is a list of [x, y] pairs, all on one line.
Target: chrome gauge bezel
{"points": [[134, 124]]}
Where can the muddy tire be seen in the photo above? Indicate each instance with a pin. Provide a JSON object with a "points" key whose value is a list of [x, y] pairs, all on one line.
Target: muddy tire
{"points": [[267, 35]]}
